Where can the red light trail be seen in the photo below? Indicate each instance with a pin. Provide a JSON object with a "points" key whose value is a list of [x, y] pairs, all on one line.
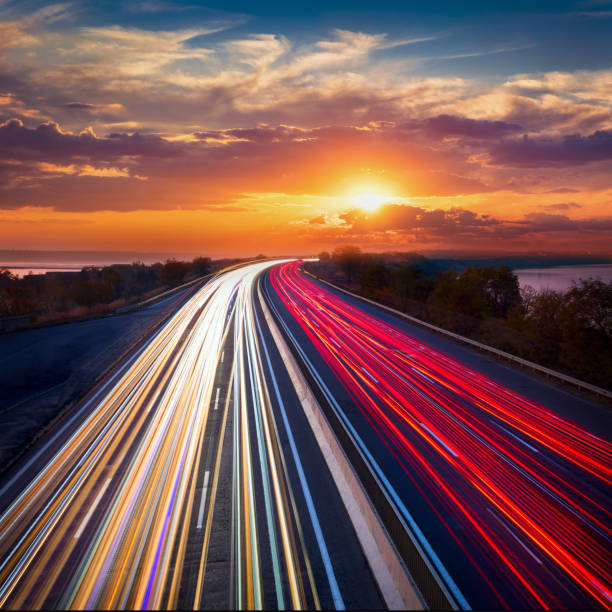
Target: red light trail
{"points": [[518, 488]]}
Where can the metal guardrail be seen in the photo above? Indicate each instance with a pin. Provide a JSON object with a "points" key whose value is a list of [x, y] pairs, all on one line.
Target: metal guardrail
{"points": [[485, 347], [160, 296]]}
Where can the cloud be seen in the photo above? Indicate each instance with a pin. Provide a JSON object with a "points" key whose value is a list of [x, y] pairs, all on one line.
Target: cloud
{"points": [[561, 206], [402, 217], [444, 126], [320, 220], [48, 142], [542, 152], [435, 226], [563, 190]]}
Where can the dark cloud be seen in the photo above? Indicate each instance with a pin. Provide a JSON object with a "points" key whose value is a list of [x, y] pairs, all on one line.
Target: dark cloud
{"points": [[561, 206], [545, 222], [79, 106], [541, 152], [394, 217], [564, 190], [443, 126], [49, 143], [459, 223]]}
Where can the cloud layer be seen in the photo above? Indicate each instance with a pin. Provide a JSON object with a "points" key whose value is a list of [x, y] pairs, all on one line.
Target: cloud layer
{"points": [[208, 113]]}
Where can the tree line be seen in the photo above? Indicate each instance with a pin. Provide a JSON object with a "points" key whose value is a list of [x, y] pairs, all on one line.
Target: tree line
{"points": [[94, 289], [564, 330]]}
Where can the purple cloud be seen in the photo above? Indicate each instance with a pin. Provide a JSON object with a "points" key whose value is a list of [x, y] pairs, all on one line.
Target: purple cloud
{"points": [[542, 152], [48, 142], [450, 125]]}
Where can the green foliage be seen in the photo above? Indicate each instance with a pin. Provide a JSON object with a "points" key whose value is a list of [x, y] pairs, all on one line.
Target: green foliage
{"points": [[375, 276], [55, 293], [479, 292], [200, 266]]}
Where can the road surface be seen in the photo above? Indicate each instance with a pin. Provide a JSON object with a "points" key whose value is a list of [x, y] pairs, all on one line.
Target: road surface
{"points": [[508, 502], [189, 479]]}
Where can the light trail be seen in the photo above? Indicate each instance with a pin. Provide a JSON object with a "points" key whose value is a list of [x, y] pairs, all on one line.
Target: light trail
{"points": [[109, 520], [473, 461]]}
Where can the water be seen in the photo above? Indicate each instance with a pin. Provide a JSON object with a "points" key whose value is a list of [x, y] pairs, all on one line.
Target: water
{"points": [[560, 278], [22, 271]]}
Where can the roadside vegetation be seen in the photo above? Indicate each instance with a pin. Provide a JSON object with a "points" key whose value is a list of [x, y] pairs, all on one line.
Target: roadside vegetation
{"points": [[568, 331], [94, 291]]}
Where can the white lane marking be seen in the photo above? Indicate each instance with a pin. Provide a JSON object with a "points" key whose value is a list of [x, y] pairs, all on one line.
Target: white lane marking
{"points": [[89, 514], [514, 535], [369, 374], [222, 356], [203, 500], [535, 450], [217, 398], [450, 450]]}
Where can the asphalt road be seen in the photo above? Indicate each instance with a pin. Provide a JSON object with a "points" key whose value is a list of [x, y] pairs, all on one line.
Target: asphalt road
{"points": [[502, 480], [46, 369], [188, 479]]}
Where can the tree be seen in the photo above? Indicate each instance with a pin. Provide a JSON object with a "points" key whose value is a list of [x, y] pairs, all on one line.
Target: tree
{"points": [[173, 272], [375, 276], [590, 302], [201, 265], [585, 322], [324, 257], [411, 283], [543, 324], [478, 292], [349, 259]]}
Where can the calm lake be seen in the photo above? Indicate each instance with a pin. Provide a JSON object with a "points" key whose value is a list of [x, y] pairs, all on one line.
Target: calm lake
{"points": [[560, 278]]}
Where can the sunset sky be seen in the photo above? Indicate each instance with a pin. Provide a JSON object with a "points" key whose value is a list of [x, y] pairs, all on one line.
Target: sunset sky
{"points": [[291, 127]]}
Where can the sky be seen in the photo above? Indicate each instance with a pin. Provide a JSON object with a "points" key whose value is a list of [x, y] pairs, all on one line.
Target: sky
{"points": [[236, 128]]}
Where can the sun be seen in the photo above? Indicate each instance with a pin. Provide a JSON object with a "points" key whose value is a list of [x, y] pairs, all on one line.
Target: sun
{"points": [[369, 200]]}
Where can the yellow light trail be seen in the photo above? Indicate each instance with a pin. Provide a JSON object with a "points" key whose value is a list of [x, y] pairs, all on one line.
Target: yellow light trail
{"points": [[116, 502]]}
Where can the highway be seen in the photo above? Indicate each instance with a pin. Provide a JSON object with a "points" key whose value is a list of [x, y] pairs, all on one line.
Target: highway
{"points": [[189, 479], [508, 503]]}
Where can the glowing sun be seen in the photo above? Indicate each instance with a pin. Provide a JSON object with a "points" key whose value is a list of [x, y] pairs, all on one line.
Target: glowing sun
{"points": [[368, 200]]}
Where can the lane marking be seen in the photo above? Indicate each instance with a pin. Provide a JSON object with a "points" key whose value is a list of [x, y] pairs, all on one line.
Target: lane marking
{"points": [[514, 536], [89, 514], [222, 356], [450, 450], [217, 398], [203, 500], [369, 374], [535, 450]]}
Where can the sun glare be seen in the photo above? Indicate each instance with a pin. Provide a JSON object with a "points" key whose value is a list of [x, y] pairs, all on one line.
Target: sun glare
{"points": [[368, 200]]}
